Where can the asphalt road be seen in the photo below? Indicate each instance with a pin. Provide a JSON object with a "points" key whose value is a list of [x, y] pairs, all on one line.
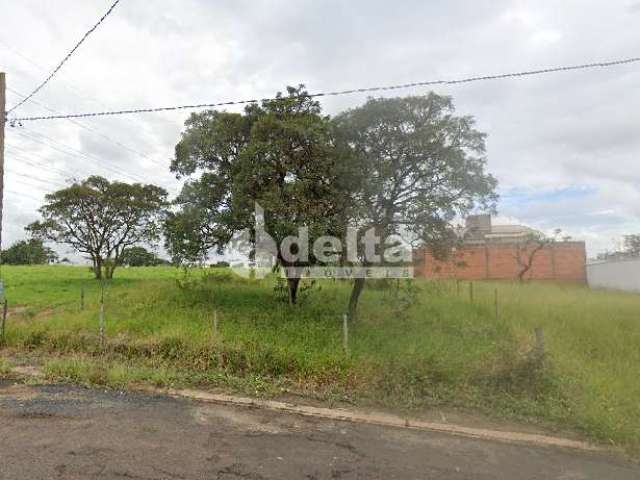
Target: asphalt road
{"points": [[70, 432]]}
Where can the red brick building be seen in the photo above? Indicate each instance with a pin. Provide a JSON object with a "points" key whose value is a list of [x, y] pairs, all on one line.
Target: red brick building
{"points": [[491, 253]]}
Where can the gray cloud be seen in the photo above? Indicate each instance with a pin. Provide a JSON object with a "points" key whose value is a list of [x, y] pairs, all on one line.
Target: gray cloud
{"points": [[545, 133]]}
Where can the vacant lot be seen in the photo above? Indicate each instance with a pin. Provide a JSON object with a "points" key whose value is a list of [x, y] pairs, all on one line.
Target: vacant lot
{"points": [[415, 344]]}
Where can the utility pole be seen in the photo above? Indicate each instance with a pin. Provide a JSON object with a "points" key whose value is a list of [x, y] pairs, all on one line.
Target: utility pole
{"points": [[2, 125]]}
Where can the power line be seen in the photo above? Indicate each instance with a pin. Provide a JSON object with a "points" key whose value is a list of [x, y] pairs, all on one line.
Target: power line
{"points": [[73, 88], [89, 129], [58, 146], [23, 156], [133, 177], [76, 152], [67, 56], [476, 78], [37, 179], [24, 195], [69, 86], [43, 139]]}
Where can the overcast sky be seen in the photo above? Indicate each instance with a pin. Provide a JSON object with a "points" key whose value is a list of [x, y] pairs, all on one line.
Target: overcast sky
{"points": [[564, 147]]}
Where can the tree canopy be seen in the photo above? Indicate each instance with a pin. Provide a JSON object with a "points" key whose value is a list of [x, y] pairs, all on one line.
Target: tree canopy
{"points": [[28, 252], [280, 155], [101, 219], [402, 166], [422, 167]]}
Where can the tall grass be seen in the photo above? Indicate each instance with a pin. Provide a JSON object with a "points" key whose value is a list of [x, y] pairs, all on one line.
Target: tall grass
{"points": [[414, 343]]}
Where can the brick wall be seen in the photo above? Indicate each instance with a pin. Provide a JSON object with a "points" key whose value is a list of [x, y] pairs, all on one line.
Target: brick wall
{"points": [[563, 261]]}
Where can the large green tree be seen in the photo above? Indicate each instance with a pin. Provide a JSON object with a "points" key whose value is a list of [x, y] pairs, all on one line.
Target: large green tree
{"points": [[101, 219], [279, 154], [422, 167], [28, 252]]}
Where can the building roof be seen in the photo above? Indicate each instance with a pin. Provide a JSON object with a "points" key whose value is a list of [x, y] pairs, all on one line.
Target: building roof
{"points": [[497, 233]]}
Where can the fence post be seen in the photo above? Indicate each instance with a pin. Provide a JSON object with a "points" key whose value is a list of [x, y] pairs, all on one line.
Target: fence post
{"points": [[495, 300], [345, 333], [215, 322], [539, 350], [101, 325], [102, 316], [471, 292], [5, 308]]}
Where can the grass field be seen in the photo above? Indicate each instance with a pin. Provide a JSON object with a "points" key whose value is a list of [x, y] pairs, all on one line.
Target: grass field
{"points": [[422, 344]]}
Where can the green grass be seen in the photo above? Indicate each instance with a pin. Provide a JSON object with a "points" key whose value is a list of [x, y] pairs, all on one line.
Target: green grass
{"points": [[422, 345], [5, 366]]}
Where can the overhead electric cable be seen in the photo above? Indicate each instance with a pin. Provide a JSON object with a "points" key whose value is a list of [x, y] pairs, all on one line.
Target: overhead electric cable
{"points": [[59, 146], [67, 56], [23, 195], [37, 179], [24, 159], [476, 78], [88, 128]]}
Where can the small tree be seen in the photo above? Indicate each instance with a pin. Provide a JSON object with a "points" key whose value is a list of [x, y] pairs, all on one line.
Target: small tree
{"points": [[101, 219], [28, 252], [527, 250]]}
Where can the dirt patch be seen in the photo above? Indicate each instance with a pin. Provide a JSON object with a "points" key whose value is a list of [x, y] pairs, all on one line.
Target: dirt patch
{"points": [[209, 415], [44, 314], [17, 309], [26, 313], [19, 392], [27, 371]]}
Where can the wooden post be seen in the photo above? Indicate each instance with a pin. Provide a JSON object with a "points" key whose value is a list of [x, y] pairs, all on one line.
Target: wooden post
{"points": [[471, 292], [82, 296], [102, 342], [345, 333], [3, 122], [495, 301], [539, 343], [215, 322], [2, 127], [5, 307]]}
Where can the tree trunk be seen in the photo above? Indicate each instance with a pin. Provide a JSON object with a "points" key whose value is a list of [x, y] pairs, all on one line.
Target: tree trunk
{"points": [[97, 268], [293, 284], [108, 270], [358, 286], [522, 273]]}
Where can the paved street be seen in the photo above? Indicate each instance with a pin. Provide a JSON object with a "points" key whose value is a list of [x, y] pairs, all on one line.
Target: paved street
{"points": [[69, 432]]}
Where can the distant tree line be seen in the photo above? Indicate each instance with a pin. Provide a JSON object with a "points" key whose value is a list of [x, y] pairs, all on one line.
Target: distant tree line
{"points": [[28, 252], [630, 249], [138, 256]]}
